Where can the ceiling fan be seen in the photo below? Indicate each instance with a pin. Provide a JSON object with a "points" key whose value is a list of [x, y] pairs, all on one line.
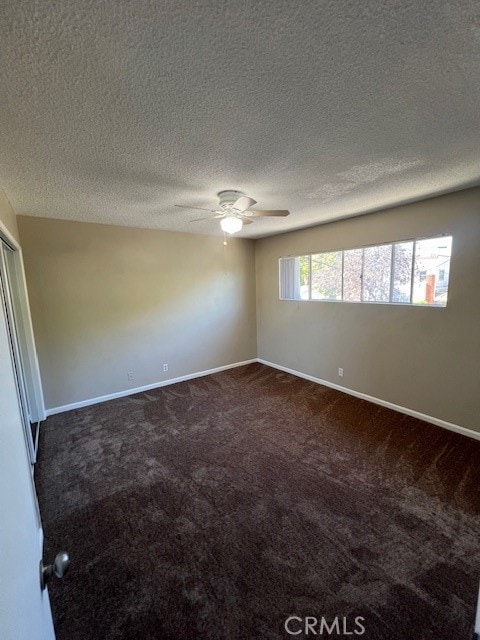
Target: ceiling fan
{"points": [[234, 211]]}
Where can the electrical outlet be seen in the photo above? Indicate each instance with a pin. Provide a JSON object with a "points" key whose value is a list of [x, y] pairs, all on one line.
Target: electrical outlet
{"points": [[165, 367], [130, 376], [340, 372]]}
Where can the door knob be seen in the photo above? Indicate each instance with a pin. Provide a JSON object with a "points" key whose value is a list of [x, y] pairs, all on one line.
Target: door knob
{"points": [[59, 568]]}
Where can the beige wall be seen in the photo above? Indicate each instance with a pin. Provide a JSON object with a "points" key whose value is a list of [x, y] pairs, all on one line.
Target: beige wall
{"points": [[425, 359], [7, 215], [106, 300]]}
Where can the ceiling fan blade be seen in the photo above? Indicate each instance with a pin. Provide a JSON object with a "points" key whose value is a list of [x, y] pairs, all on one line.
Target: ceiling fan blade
{"points": [[182, 206], [245, 220], [242, 203], [281, 213], [200, 219]]}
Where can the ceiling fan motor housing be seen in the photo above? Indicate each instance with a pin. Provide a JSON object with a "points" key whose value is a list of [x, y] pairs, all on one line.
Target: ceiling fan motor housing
{"points": [[228, 198]]}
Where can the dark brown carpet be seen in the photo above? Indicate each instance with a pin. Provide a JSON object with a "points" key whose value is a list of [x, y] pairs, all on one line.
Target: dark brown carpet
{"points": [[216, 508]]}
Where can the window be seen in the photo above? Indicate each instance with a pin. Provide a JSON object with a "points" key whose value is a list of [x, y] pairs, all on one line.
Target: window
{"points": [[352, 275], [295, 278], [431, 257], [402, 272], [326, 274], [405, 272], [377, 273]]}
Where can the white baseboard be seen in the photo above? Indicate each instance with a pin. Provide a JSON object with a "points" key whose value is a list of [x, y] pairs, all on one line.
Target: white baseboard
{"points": [[384, 403], [409, 412], [147, 387]]}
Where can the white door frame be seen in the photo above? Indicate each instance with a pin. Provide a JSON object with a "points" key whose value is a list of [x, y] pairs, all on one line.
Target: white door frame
{"points": [[26, 337]]}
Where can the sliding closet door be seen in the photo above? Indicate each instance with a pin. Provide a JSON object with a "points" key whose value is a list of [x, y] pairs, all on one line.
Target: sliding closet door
{"points": [[14, 327]]}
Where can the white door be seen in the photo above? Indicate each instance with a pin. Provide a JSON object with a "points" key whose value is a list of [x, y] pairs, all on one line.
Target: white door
{"points": [[24, 606]]}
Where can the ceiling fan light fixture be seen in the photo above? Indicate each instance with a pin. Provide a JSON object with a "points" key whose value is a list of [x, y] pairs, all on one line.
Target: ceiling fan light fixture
{"points": [[231, 224]]}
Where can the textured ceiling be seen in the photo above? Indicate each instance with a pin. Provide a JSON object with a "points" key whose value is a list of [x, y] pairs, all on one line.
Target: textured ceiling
{"points": [[113, 111]]}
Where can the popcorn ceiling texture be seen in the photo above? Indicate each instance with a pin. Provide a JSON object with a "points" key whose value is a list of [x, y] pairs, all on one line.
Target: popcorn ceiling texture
{"points": [[113, 112]]}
